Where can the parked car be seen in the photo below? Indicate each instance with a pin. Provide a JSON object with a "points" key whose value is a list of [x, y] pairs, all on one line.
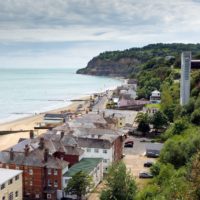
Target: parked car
{"points": [[145, 175], [152, 155], [148, 164], [129, 144]]}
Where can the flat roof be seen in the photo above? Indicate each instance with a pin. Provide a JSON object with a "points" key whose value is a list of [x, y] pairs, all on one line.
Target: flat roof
{"points": [[7, 174], [86, 165]]}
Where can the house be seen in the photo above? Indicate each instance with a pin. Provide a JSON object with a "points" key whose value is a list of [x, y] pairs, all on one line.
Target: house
{"points": [[91, 166], [100, 143], [10, 184], [131, 104], [42, 171], [155, 97], [51, 120]]}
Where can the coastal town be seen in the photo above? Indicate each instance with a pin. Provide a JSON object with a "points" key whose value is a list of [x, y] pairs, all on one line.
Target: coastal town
{"points": [[99, 132], [87, 137]]}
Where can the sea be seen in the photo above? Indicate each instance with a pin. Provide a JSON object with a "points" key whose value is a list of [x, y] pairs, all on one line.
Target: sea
{"points": [[26, 92]]}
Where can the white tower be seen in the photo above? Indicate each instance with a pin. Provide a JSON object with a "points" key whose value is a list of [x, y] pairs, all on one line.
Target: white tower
{"points": [[185, 77]]}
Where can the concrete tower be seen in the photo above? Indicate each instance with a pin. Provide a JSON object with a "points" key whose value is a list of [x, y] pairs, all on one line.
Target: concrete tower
{"points": [[185, 77]]}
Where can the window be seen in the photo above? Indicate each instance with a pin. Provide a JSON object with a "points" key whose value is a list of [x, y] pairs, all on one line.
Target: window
{"points": [[105, 160], [55, 172], [96, 150], [31, 183], [37, 196], [49, 171], [48, 196], [10, 181], [30, 171], [16, 194], [88, 150], [55, 183], [49, 182], [105, 151], [2, 186], [16, 177], [10, 196], [4, 198]]}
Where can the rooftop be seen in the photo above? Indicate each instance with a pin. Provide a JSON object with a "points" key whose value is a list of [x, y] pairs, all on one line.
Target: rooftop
{"points": [[7, 174], [86, 165]]}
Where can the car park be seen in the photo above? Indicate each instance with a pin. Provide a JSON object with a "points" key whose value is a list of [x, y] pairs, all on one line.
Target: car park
{"points": [[145, 175]]}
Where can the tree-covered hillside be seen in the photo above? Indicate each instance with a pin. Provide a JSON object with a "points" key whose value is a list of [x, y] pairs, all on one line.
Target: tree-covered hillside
{"points": [[134, 60]]}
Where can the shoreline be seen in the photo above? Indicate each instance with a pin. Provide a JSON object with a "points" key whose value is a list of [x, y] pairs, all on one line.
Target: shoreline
{"points": [[28, 123]]}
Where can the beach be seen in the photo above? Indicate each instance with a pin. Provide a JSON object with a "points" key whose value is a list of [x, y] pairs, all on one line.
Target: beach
{"points": [[28, 123]]}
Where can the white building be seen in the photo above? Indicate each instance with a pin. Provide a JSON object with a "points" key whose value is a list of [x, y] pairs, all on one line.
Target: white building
{"points": [[155, 97], [91, 166], [185, 77], [10, 184]]}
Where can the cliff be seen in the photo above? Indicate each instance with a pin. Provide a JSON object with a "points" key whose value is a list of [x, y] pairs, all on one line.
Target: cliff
{"points": [[114, 68], [131, 61]]}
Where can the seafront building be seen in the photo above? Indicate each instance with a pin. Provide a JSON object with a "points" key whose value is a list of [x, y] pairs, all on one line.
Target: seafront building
{"points": [[185, 77], [11, 184], [48, 161]]}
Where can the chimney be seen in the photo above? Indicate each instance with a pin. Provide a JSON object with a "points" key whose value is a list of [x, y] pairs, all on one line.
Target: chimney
{"points": [[31, 134], [46, 155], [26, 150], [11, 154], [41, 143], [62, 134]]}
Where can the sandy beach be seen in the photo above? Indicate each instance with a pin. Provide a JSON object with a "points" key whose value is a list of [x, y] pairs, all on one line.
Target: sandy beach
{"points": [[28, 123]]}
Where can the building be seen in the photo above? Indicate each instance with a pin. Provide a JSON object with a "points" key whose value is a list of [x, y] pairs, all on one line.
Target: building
{"points": [[51, 120], [91, 166], [42, 172], [155, 97], [185, 77], [10, 184], [101, 143]]}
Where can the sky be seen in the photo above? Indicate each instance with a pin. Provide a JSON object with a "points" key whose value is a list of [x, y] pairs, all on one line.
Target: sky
{"points": [[68, 33]]}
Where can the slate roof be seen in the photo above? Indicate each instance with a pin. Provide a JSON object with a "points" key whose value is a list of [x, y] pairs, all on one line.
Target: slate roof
{"points": [[94, 143], [53, 116], [34, 158], [86, 165]]}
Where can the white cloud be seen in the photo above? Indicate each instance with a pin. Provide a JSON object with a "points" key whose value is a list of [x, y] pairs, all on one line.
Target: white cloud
{"points": [[89, 27]]}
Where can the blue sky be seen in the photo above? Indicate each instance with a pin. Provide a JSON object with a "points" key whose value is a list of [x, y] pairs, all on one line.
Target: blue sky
{"points": [[68, 33]]}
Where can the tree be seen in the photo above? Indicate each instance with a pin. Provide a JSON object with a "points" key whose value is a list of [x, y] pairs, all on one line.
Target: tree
{"points": [[120, 184], [194, 176], [80, 184], [143, 122], [159, 120], [179, 126], [195, 117]]}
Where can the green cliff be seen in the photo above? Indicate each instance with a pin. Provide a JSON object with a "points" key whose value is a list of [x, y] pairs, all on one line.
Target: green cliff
{"points": [[131, 61]]}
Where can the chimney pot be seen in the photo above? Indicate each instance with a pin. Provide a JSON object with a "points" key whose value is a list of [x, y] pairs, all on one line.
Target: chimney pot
{"points": [[26, 150], [41, 143], [11, 154], [31, 133], [62, 134], [46, 155]]}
